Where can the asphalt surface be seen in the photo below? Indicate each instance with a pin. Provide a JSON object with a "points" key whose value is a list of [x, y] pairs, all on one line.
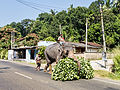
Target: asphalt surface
{"points": [[24, 77]]}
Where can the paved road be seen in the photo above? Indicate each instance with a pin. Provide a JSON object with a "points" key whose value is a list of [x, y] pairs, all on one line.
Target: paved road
{"points": [[22, 77]]}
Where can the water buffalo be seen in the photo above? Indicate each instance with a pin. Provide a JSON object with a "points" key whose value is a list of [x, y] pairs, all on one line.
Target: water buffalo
{"points": [[55, 52]]}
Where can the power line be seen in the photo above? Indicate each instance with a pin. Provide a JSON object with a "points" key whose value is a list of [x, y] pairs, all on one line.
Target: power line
{"points": [[37, 6], [29, 5], [46, 5]]}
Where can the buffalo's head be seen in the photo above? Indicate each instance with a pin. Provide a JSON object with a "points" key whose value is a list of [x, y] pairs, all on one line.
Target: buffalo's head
{"points": [[67, 50]]}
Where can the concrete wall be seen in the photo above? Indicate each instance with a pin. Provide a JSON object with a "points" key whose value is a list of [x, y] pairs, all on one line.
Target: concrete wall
{"points": [[93, 56], [92, 50], [10, 55], [27, 55]]}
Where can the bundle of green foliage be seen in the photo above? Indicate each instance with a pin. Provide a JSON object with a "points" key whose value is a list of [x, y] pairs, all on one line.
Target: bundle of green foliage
{"points": [[41, 50], [49, 39], [67, 69], [86, 71]]}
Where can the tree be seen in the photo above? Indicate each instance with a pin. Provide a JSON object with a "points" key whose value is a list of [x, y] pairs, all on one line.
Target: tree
{"points": [[30, 40], [94, 33], [5, 36], [26, 23]]}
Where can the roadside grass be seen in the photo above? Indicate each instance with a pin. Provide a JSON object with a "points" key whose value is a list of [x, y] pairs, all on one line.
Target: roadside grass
{"points": [[94, 59], [106, 74], [20, 61]]}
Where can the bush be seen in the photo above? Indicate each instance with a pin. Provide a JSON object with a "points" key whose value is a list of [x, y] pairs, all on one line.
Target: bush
{"points": [[67, 69], [6, 55], [3, 54], [116, 60], [117, 63], [0, 52]]}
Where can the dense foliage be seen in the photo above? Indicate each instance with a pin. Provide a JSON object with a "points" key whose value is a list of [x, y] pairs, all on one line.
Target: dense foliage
{"points": [[73, 25], [67, 69]]}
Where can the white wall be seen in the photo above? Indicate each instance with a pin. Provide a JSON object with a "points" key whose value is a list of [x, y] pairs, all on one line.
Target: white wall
{"points": [[27, 55], [92, 50], [10, 54]]}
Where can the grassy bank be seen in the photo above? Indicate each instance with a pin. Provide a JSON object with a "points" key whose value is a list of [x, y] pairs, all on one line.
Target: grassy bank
{"points": [[106, 74]]}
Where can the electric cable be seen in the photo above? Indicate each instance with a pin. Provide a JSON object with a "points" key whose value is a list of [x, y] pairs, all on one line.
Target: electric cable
{"points": [[37, 6]]}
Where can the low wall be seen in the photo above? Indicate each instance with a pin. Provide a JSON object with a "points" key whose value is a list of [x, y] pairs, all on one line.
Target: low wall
{"points": [[94, 56]]}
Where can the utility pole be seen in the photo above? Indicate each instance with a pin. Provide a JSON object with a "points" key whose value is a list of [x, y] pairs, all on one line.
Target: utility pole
{"points": [[11, 40], [104, 44], [60, 29], [86, 34]]}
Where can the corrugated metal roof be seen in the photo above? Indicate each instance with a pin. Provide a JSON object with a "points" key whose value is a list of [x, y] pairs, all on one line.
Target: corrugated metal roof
{"points": [[25, 47], [45, 43], [74, 44], [81, 44], [92, 44]]}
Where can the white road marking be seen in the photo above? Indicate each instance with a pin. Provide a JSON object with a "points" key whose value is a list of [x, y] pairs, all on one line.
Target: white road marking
{"points": [[23, 75], [106, 81]]}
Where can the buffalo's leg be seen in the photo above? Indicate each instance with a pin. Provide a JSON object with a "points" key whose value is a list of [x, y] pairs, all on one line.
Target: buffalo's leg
{"points": [[48, 61], [79, 66], [50, 69], [45, 69], [59, 56]]}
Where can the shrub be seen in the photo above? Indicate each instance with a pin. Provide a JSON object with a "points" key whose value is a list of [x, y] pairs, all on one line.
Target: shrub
{"points": [[116, 60], [4, 54], [0, 53]]}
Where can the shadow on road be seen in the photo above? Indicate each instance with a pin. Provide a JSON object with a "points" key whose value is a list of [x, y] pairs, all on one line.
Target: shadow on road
{"points": [[110, 88], [5, 68], [100, 65], [1, 71]]}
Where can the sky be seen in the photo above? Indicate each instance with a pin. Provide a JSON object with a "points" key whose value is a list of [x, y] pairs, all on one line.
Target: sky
{"points": [[17, 10]]}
